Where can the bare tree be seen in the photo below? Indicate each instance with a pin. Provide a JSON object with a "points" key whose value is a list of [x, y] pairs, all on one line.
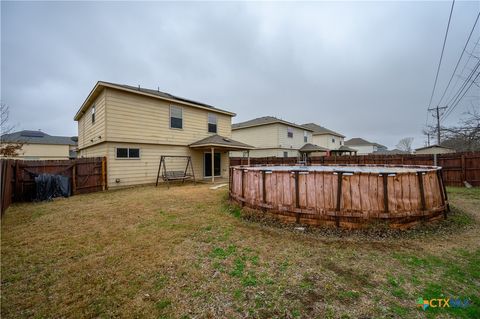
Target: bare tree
{"points": [[464, 137], [7, 148], [405, 144]]}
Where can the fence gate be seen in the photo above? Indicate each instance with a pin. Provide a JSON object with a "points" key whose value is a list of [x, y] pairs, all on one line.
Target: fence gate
{"points": [[87, 175]]}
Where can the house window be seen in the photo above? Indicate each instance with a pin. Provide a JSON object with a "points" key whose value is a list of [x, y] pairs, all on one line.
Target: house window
{"points": [[176, 117], [285, 154], [124, 152], [341, 143], [305, 136], [333, 140], [212, 123], [93, 114], [290, 132]]}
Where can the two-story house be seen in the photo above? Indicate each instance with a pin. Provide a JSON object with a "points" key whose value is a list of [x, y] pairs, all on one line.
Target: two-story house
{"points": [[133, 127], [324, 137], [363, 146], [271, 137]]}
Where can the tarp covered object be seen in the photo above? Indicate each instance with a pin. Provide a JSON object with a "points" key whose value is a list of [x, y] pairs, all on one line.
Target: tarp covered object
{"points": [[50, 186]]}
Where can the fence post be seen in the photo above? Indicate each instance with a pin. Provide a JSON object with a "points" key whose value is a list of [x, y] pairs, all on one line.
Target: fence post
{"points": [[74, 178], [103, 174], [464, 169], [16, 184]]}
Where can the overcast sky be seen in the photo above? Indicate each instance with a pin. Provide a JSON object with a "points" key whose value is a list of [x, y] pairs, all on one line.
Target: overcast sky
{"points": [[365, 69]]}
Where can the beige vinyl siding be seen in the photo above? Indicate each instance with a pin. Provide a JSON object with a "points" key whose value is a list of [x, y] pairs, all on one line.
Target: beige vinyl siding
{"points": [[277, 152], [88, 131], [258, 136], [139, 119], [98, 150], [271, 140], [363, 149], [144, 170], [292, 143], [325, 140], [44, 152], [434, 150]]}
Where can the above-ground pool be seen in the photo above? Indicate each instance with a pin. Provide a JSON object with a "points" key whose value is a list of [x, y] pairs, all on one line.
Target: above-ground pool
{"points": [[349, 196]]}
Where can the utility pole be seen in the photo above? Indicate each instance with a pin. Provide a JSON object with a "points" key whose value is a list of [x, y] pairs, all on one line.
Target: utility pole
{"points": [[437, 109]]}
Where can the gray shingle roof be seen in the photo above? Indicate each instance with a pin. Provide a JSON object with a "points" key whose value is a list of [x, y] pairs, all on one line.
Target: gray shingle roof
{"points": [[162, 94], [309, 147], [38, 137], [265, 120], [346, 148], [218, 140], [360, 141], [319, 130]]}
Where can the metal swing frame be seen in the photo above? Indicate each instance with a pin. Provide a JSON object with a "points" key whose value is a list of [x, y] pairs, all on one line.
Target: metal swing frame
{"points": [[168, 176]]}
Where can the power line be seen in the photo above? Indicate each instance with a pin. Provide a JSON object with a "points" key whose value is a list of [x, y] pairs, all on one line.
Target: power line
{"points": [[465, 83], [466, 63], [465, 92], [441, 55], [460, 58]]}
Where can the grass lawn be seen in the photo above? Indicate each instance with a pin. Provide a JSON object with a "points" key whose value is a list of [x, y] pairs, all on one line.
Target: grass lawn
{"points": [[184, 253]]}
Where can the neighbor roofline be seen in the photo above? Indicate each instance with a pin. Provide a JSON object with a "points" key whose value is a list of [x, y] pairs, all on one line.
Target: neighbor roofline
{"points": [[94, 92], [278, 121], [220, 145], [328, 133], [436, 145]]}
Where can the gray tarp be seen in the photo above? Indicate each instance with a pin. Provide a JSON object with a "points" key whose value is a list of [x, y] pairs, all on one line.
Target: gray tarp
{"points": [[50, 186]]}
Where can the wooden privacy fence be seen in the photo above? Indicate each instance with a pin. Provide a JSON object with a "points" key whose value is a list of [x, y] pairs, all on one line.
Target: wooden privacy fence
{"points": [[456, 167], [87, 175]]}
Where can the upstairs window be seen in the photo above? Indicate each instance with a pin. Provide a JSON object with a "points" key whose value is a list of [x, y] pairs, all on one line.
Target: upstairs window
{"points": [[93, 114], [305, 136], [333, 140], [290, 132], [285, 154], [176, 117], [341, 142], [124, 152], [212, 123]]}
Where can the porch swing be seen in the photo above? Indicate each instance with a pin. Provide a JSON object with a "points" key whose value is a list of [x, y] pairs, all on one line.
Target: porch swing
{"points": [[175, 175]]}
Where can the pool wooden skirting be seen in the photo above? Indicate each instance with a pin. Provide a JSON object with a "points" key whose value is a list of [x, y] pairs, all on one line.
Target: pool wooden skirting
{"points": [[343, 196]]}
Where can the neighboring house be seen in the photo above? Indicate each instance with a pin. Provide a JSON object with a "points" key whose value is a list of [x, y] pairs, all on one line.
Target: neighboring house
{"points": [[324, 137], [364, 147], [271, 137], [434, 149], [133, 127], [38, 145]]}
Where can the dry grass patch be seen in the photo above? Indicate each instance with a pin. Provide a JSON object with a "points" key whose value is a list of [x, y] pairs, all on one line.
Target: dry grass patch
{"points": [[183, 253]]}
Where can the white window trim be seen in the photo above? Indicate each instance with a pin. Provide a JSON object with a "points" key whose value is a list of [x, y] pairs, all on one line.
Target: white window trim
{"points": [[289, 127], [208, 122], [170, 117], [129, 158], [93, 114]]}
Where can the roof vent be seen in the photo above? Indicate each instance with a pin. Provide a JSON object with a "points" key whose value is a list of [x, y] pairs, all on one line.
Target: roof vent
{"points": [[226, 140]]}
